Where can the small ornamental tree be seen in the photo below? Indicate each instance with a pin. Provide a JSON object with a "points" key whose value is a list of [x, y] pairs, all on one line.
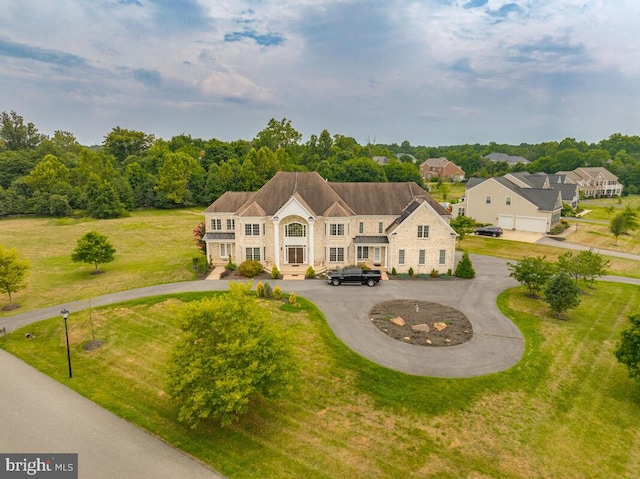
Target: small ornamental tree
{"points": [[229, 353], [617, 226], [463, 225], [562, 294], [465, 268], [13, 270], [94, 248], [198, 234], [532, 272], [628, 350]]}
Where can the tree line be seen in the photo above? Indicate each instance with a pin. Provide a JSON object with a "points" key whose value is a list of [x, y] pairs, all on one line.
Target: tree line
{"points": [[57, 176]]}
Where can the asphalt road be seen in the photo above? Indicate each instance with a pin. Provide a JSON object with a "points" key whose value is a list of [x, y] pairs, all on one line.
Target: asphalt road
{"points": [[40, 415]]}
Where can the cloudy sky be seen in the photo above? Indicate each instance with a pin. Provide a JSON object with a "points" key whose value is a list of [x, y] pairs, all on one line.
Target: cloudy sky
{"points": [[433, 72]]}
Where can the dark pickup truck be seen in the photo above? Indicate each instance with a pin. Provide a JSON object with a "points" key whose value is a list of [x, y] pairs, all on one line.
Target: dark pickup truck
{"points": [[354, 275]]}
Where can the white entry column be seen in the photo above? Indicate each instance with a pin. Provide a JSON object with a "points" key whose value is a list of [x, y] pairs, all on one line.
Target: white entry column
{"points": [[310, 247], [276, 241]]}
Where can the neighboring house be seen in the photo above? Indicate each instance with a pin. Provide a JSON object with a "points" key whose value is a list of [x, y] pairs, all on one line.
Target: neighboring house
{"points": [[381, 160], [400, 155], [514, 201], [569, 190], [298, 219], [441, 168], [508, 158], [594, 182]]}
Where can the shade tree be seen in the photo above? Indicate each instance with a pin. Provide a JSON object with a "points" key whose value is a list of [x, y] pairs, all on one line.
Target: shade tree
{"points": [[93, 248], [13, 271]]}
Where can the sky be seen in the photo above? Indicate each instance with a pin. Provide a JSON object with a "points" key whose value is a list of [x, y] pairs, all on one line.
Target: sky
{"points": [[431, 72]]}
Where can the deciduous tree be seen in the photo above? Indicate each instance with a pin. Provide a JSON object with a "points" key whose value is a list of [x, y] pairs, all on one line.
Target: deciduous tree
{"points": [[16, 135], [628, 349], [13, 270], [532, 272], [463, 225], [561, 293], [94, 248], [228, 354]]}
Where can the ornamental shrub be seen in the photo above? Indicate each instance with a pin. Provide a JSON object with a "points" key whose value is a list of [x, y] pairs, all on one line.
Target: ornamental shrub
{"points": [[393, 271], [465, 268], [434, 273], [277, 292], [310, 273], [260, 290], [268, 291], [292, 298], [275, 272], [250, 268], [410, 271]]}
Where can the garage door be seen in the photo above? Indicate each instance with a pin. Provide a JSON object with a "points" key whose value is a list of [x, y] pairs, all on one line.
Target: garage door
{"points": [[524, 223], [505, 222]]}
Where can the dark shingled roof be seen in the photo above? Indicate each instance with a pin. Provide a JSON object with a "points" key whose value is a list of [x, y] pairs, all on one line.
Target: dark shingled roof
{"points": [[229, 202], [544, 198], [322, 197], [219, 236], [371, 240]]}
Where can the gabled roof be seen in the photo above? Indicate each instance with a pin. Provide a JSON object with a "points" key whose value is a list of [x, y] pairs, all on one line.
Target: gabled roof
{"points": [[229, 202], [507, 158], [322, 198], [544, 198]]}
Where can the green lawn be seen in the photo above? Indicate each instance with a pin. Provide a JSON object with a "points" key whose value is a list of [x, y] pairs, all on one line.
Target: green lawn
{"points": [[567, 410], [152, 247]]}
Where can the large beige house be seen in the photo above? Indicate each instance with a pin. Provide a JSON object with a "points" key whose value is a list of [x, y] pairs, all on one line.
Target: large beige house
{"points": [[594, 181], [516, 201], [298, 219]]}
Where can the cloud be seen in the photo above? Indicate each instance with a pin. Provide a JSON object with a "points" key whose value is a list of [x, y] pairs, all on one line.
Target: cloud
{"points": [[268, 39], [28, 52], [149, 78]]}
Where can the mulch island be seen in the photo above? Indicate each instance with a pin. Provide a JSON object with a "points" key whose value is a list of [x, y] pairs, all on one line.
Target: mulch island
{"points": [[421, 322]]}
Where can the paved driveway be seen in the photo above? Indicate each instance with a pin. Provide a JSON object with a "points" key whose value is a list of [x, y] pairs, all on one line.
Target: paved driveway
{"points": [[496, 345]]}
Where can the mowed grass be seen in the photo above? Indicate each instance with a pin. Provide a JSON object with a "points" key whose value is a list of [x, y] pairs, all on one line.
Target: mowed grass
{"points": [[515, 250], [152, 247], [567, 410]]}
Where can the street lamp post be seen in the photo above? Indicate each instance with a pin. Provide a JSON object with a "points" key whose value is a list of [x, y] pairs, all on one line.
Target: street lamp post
{"points": [[65, 316]]}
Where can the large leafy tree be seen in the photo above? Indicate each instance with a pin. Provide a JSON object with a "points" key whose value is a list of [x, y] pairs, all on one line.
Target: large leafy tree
{"points": [[174, 178], [102, 200], [13, 271], [17, 135], [463, 225], [277, 134], [228, 354], [122, 143], [628, 350], [94, 248], [562, 293], [532, 272]]}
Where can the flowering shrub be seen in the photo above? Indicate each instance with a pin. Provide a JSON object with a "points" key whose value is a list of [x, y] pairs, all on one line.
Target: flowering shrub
{"points": [[198, 233]]}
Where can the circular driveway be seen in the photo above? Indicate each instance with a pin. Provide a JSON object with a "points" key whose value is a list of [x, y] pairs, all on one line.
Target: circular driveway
{"points": [[497, 344]]}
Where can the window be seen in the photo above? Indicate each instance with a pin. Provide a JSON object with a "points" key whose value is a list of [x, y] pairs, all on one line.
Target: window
{"points": [[380, 227], [487, 200], [295, 230], [461, 211], [443, 256], [423, 231], [363, 252], [361, 227], [253, 254], [401, 256], [216, 224], [336, 254], [421, 256], [507, 200], [336, 229], [231, 225], [252, 229], [225, 250]]}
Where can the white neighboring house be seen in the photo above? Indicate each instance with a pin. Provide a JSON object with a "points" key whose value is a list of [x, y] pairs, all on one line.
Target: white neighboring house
{"points": [[594, 182], [513, 202], [297, 220]]}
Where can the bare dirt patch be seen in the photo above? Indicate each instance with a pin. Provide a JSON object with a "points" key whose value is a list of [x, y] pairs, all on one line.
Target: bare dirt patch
{"points": [[421, 322]]}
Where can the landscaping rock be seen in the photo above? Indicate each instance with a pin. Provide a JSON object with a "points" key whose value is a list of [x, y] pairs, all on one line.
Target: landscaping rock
{"points": [[440, 326], [398, 321], [421, 327]]}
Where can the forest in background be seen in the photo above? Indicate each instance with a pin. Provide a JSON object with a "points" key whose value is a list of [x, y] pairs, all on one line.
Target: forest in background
{"points": [[56, 176]]}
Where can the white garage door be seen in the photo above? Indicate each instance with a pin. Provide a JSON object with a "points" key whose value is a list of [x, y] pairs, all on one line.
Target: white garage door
{"points": [[524, 223], [505, 222]]}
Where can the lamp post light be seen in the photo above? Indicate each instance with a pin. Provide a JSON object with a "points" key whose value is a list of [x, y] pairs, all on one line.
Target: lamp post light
{"points": [[65, 316]]}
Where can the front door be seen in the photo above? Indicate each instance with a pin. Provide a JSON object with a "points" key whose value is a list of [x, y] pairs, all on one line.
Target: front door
{"points": [[376, 255], [296, 254]]}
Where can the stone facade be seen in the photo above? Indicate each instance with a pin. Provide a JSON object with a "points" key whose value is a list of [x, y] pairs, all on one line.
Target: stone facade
{"points": [[299, 220]]}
